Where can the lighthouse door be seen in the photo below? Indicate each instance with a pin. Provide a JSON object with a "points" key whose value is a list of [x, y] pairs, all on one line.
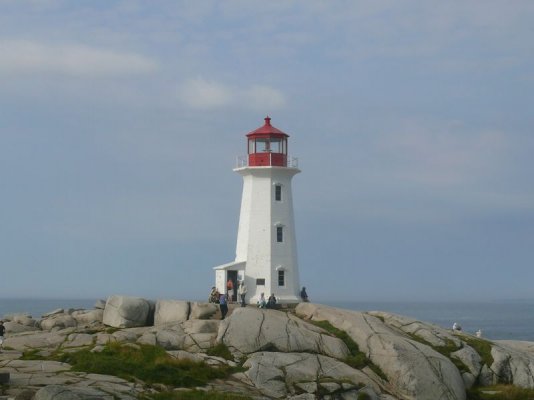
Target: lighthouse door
{"points": [[232, 275]]}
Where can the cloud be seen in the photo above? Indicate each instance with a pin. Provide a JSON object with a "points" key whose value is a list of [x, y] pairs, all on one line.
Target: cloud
{"points": [[261, 97], [443, 154], [199, 93], [25, 57]]}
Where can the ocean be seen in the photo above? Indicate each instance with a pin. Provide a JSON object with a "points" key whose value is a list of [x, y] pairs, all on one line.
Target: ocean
{"points": [[506, 320]]}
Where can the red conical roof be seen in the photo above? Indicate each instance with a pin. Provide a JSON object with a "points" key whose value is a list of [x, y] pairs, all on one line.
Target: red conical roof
{"points": [[267, 129]]}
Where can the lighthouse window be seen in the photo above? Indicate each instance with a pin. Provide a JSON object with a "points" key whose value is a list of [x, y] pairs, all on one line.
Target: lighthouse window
{"points": [[278, 192], [281, 278], [263, 145], [275, 145], [279, 234]]}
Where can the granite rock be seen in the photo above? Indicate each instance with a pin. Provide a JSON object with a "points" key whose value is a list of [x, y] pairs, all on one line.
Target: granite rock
{"points": [[126, 312]]}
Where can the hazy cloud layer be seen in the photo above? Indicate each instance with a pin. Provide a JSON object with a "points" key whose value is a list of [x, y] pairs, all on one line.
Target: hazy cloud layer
{"points": [[120, 123], [202, 94], [30, 57]]}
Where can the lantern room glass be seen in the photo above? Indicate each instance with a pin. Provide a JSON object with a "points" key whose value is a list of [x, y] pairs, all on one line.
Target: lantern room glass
{"points": [[267, 145]]}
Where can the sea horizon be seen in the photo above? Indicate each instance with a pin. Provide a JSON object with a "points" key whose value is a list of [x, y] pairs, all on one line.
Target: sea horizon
{"points": [[506, 319]]}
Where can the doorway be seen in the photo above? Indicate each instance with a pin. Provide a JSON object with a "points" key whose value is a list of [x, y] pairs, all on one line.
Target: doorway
{"points": [[232, 275]]}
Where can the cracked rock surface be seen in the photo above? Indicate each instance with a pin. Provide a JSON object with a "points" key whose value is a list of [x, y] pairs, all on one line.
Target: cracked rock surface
{"points": [[249, 330], [414, 370], [280, 354]]}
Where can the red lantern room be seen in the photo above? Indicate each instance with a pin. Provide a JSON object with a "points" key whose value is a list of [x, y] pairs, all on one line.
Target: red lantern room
{"points": [[267, 146]]}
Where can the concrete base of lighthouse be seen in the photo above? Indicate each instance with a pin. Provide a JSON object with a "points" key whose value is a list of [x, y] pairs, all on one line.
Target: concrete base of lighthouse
{"points": [[235, 271]]}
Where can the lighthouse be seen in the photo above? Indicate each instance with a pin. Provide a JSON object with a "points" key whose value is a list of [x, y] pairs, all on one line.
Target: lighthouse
{"points": [[266, 250]]}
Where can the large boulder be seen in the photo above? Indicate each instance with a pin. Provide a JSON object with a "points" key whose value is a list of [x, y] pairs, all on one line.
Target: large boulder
{"points": [[192, 335], [279, 374], [100, 304], [14, 327], [414, 370], [126, 312], [36, 340], [57, 321], [513, 363], [88, 317], [24, 319], [202, 310], [432, 334], [249, 330], [53, 312], [171, 311]]}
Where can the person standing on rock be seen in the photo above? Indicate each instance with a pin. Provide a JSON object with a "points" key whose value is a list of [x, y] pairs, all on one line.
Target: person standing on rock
{"points": [[304, 295], [2, 332], [230, 290], [223, 305], [242, 292]]}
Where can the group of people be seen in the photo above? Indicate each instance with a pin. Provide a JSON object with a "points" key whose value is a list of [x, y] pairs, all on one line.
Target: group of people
{"points": [[270, 303], [223, 299]]}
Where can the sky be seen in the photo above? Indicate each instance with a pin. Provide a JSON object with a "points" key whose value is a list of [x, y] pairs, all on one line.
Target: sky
{"points": [[120, 123]]}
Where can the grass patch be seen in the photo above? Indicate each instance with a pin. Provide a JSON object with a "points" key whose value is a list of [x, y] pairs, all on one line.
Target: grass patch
{"points": [[502, 392], [220, 350], [381, 318], [446, 350], [33, 354], [197, 395], [150, 364], [482, 347], [356, 359]]}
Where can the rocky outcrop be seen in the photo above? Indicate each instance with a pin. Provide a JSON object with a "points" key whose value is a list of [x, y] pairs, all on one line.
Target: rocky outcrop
{"points": [[279, 374], [126, 312], [283, 354], [88, 317], [57, 321], [35, 340], [54, 380], [203, 310], [249, 330], [413, 370], [513, 363], [170, 311]]}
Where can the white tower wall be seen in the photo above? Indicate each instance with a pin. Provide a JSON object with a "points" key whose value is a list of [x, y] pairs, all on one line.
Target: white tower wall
{"points": [[257, 246]]}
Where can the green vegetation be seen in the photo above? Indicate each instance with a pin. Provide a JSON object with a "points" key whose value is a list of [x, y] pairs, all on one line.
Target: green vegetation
{"points": [[197, 395], [32, 354], [220, 350], [356, 359], [481, 346], [500, 392], [150, 364], [363, 396], [446, 350]]}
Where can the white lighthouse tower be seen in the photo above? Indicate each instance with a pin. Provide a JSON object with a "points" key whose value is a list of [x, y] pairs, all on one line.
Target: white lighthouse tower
{"points": [[266, 251]]}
